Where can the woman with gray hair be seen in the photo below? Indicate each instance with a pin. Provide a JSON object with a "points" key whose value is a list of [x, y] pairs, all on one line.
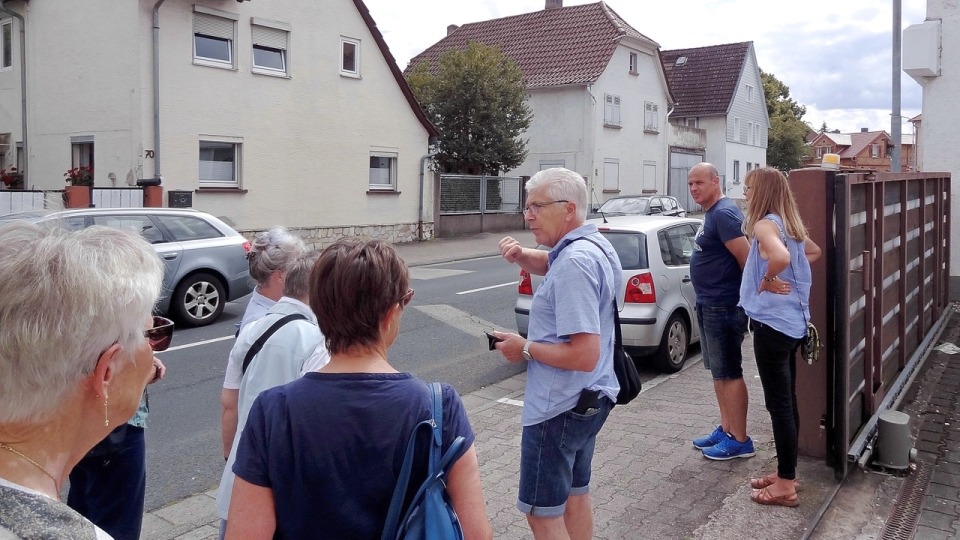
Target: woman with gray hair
{"points": [[269, 258], [76, 352]]}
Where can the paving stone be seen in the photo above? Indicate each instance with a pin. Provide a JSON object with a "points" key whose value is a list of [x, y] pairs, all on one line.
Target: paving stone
{"points": [[936, 520], [929, 533]]}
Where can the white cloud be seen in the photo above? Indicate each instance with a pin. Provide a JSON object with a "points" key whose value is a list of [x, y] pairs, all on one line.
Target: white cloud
{"points": [[835, 56]]}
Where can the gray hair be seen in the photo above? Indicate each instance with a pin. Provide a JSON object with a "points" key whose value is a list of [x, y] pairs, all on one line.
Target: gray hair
{"points": [[273, 250], [708, 166], [297, 283], [562, 184], [65, 297]]}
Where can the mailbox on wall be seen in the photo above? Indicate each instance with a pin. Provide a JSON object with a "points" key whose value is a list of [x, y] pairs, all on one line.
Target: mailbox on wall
{"points": [[179, 199]]}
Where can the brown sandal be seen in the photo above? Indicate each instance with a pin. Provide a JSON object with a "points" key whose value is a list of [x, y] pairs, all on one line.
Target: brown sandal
{"points": [[769, 480], [762, 496]]}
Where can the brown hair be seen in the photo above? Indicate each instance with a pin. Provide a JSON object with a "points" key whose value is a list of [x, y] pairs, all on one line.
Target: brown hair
{"points": [[352, 286], [772, 195]]}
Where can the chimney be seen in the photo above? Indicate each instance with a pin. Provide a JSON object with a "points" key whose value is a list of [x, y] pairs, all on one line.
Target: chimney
{"points": [[452, 28], [864, 130], [554, 4]]}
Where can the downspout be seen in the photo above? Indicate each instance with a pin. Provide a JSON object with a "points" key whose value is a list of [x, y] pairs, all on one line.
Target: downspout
{"points": [[156, 90], [667, 163], [23, 89], [428, 156]]}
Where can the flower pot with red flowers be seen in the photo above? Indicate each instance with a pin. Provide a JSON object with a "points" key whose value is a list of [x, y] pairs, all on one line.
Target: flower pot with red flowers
{"points": [[79, 176], [11, 179]]}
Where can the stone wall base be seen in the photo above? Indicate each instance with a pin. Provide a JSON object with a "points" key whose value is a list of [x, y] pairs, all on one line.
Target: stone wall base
{"points": [[321, 237]]}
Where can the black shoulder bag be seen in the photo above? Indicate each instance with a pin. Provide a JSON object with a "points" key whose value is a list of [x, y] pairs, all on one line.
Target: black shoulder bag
{"points": [[623, 365], [258, 344]]}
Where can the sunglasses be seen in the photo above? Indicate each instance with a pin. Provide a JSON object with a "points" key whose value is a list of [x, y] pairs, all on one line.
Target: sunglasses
{"points": [[160, 335], [405, 299]]}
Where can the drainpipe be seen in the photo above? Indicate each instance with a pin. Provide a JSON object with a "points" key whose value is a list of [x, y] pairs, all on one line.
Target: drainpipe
{"points": [[428, 156], [23, 90], [156, 90], [666, 125]]}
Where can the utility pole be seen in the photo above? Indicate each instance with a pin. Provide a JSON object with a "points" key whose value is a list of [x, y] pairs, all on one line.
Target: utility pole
{"points": [[895, 118]]}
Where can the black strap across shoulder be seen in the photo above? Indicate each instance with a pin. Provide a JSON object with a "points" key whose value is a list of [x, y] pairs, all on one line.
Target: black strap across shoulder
{"points": [[258, 344]]}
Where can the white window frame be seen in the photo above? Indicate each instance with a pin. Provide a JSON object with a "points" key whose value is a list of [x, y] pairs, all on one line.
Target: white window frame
{"points": [[552, 164], [611, 110], [392, 157], [756, 135], [651, 117], [736, 171], [749, 93], [875, 150], [611, 175], [634, 63], [692, 122], [272, 36], [344, 42], [6, 45], [750, 134], [210, 181], [217, 25], [736, 129]]}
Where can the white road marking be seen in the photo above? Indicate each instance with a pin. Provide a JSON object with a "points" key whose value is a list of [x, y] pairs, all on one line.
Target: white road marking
{"points": [[461, 320], [197, 344], [508, 401], [421, 273], [488, 288]]}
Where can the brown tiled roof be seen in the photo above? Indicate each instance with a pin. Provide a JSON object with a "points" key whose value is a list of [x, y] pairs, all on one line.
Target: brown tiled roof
{"points": [[705, 83], [392, 63], [860, 140], [552, 47]]}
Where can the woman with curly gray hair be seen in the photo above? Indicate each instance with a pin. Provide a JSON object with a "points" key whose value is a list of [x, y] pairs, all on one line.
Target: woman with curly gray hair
{"points": [[272, 253], [76, 352]]}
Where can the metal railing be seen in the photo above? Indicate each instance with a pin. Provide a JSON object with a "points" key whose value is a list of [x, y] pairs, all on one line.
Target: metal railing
{"points": [[467, 194]]}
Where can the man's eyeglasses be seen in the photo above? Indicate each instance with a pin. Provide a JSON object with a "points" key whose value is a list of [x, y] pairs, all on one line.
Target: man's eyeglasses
{"points": [[405, 299], [160, 335], [535, 207]]}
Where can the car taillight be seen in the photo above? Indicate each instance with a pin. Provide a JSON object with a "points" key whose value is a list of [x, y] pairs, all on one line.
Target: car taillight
{"points": [[525, 286], [247, 246], [640, 289]]}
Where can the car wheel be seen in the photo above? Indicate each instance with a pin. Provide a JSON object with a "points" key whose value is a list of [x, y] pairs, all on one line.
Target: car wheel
{"points": [[672, 353], [199, 299]]}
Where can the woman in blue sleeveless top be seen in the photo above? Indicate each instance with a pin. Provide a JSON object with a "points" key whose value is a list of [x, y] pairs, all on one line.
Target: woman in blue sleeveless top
{"points": [[775, 294]]}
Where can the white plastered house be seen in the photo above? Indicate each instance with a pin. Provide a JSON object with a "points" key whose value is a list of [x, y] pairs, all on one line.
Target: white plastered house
{"points": [[596, 88], [931, 55], [718, 89], [268, 112]]}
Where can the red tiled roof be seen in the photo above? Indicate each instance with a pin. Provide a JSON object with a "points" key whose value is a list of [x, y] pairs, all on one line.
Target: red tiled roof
{"points": [[860, 140], [705, 83], [552, 47], [392, 63]]}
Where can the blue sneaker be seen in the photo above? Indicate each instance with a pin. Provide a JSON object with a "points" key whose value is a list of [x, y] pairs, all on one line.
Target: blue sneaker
{"points": [[730, 448], [711, 439]]}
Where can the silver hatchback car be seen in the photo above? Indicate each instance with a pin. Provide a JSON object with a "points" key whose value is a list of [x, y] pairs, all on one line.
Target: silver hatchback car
{"points": [[657, 315], [205, 263]]}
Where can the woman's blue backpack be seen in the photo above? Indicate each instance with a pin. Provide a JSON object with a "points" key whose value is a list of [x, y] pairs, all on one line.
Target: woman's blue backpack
{"points": [[430, 515]]}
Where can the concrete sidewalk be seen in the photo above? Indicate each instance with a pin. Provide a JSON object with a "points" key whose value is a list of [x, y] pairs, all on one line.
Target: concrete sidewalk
{"points": [[648, 481]]}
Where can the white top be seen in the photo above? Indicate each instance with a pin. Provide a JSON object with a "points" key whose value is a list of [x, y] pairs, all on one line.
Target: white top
{"points": [[296, 348]]}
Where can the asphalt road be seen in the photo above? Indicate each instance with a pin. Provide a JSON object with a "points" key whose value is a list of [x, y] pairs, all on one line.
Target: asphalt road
{"points": [[441, 339]]}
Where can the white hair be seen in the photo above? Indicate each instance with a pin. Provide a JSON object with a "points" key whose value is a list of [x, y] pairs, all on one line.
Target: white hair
{"points": [[65, 297], [272, 250], [562, 184]]}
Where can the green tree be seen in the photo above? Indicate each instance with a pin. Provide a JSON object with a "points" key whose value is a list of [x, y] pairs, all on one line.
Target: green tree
{"points": [[477, 100], [786, 142]]}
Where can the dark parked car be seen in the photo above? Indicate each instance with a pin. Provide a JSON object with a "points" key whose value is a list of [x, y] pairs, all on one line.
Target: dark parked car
{"points": [[640, 205], [205, 260]]}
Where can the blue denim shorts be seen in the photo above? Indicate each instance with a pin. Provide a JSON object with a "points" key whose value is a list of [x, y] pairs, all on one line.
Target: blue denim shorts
{"points": [[721, 333], [555, 460]]}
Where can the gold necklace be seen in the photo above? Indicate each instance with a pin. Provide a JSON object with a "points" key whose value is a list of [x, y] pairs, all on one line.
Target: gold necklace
{"points": [[35, 464]]}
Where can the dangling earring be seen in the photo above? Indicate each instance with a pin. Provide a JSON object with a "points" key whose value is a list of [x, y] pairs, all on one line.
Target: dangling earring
{"points": [[106, 415]]}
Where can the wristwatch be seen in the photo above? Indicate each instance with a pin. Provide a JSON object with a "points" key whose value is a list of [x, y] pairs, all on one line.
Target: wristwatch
{"points": [[526, 351]]}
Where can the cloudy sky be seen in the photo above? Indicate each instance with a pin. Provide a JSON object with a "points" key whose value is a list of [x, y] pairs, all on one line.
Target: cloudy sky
{"points": [[835, 55]]}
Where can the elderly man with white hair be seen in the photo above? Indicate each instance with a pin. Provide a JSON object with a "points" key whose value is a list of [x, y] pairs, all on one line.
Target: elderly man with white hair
{"points": [[571, 385]]}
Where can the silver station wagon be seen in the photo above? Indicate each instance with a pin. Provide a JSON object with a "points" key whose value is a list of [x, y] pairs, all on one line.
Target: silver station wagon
{"points": [[657, 315], [205, 263]]}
